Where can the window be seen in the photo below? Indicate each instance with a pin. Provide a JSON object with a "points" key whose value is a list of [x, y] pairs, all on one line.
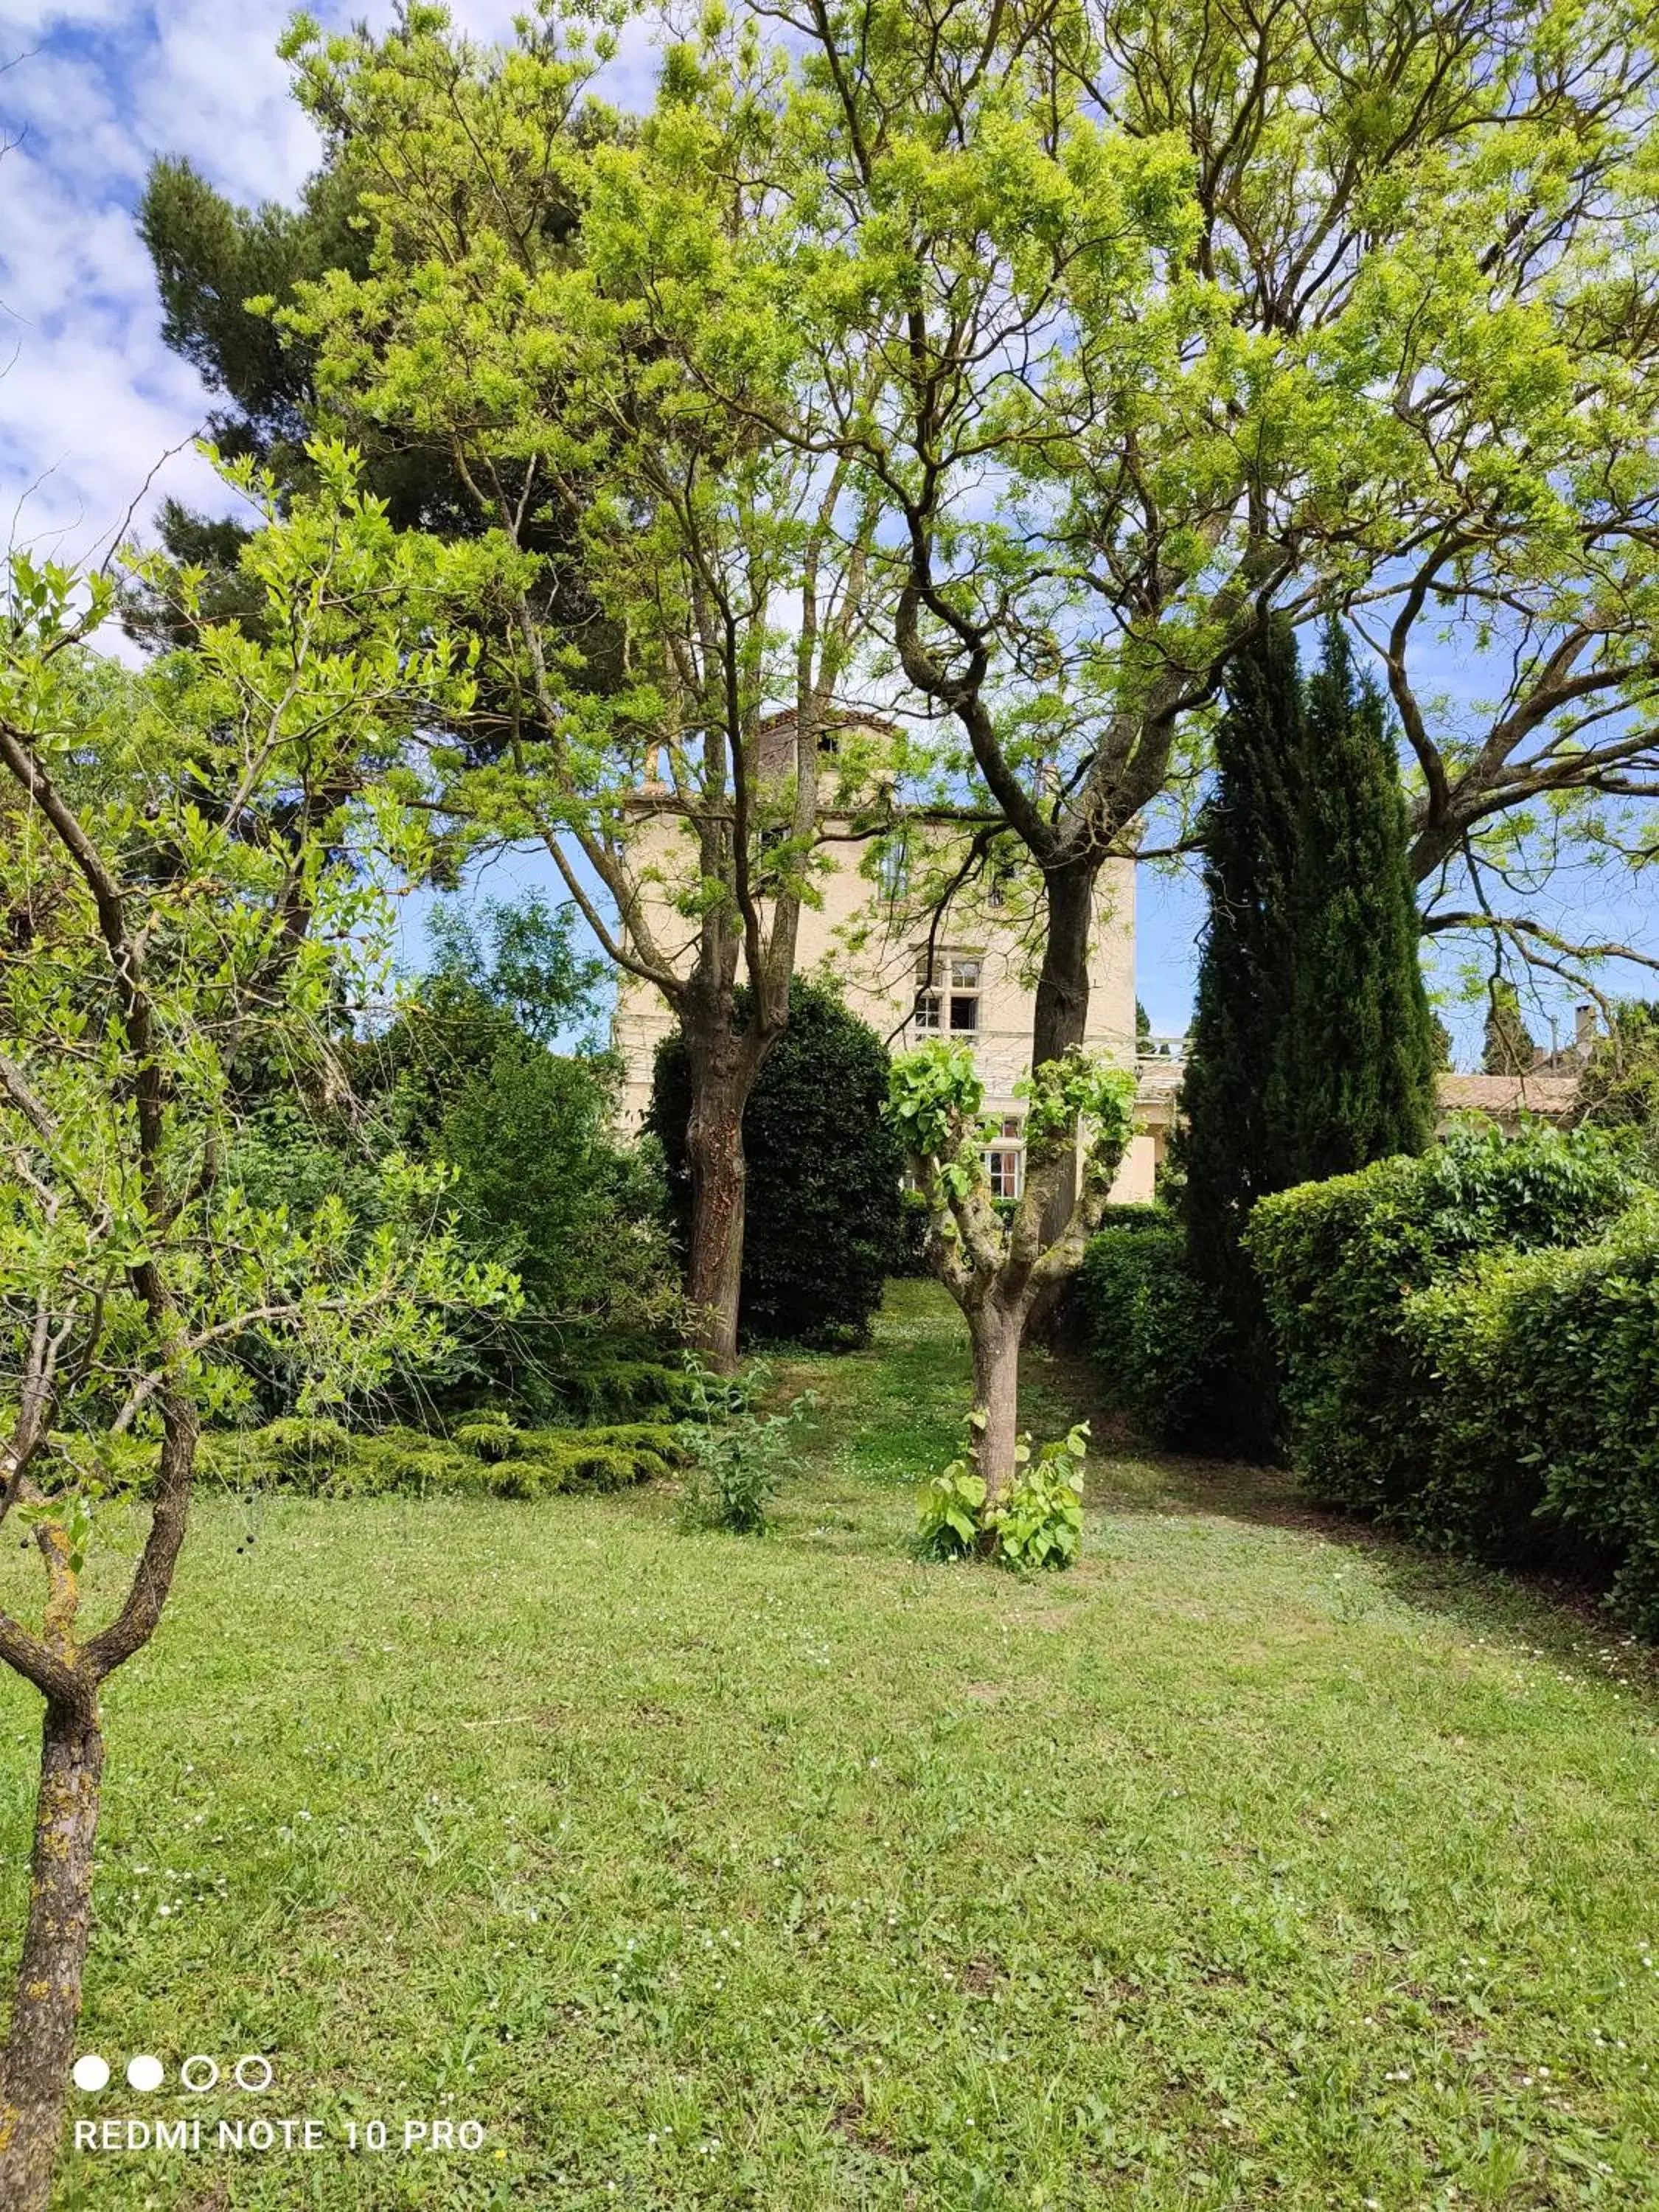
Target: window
{"points": [[964, 994], [1005, 1170], [956, 1008], [1005, 1163], [893, 871]]}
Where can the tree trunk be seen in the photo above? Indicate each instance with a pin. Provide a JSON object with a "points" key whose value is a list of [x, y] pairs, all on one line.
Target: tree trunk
{"points": [[1060, 1018], [713, 1149], [995, 1331], [1062, 993], [46, 2010]]}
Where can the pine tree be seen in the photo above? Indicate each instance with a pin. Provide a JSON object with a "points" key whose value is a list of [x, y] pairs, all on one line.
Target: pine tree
{"points": [[1356, 1076], [1226, 1148]]}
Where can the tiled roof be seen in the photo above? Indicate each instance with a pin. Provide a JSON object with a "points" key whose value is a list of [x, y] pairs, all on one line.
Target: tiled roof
{"points": [[1552, 1096]]}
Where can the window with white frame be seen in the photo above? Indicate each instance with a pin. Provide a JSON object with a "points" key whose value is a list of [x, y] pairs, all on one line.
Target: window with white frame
{"points": [[965, 992], [1005, 1163], [947, 993], [928, 1012]]}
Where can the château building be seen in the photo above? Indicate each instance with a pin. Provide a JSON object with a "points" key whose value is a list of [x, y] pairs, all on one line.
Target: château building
{"points": [[976, 986]]}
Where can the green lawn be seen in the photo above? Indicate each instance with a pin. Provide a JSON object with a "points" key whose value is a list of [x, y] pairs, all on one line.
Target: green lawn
{"points": [[1241, 1866]]}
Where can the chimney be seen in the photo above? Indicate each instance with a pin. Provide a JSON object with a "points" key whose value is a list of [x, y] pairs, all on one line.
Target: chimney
{"points": [[1583, 1028]]}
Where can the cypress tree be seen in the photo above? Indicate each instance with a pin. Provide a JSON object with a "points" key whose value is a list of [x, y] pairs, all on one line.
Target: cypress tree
{"points": [[1508, 1049], [1356, 1078], [1227, 1147], [1313, 1048]]}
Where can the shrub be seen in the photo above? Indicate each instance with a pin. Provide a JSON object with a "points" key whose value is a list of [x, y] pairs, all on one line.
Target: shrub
{"points": [[735, 1458], [823, 1221], [1148, 1322], [1339, 1261], [1037, 1523], [485, 1457], [950, 1512], [1038, 1520], [1538, 1377]]}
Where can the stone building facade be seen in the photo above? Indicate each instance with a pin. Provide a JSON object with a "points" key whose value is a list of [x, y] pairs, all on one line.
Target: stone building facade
{"points": [[862, 936]]}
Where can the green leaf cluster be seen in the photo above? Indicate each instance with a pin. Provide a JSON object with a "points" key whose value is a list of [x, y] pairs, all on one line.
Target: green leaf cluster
{"points": [[735, 1457], [1037, 1518], [195, 861], [822, 1208], [1151, 1324]]}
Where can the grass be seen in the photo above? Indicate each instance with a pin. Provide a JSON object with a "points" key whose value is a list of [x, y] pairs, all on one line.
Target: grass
{"points": [[1246, 1866]]}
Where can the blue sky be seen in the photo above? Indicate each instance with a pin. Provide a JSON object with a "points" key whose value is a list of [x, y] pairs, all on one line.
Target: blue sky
{"points": [[93, 408]]}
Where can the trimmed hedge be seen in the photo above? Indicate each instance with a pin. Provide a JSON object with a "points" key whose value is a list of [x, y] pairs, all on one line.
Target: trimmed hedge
{"points": [[1338, 1259], [1148, 1322], [1471, 1349], [484, 1458], [1541, 1372]]}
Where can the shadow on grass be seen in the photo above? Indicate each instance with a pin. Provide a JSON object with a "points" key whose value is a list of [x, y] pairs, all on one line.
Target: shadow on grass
{"points": [[895, 1412], [1544, 1609]]}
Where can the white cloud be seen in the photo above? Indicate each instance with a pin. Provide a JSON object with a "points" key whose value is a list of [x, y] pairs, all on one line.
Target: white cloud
{"points": [[97, 88]]}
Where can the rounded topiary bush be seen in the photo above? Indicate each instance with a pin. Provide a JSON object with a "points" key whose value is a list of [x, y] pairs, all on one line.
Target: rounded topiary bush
{"points": [[822, 1227]]}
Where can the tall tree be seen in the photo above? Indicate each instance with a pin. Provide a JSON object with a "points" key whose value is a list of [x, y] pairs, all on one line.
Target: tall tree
{"points": [[1228, 1149], [156, 942], [569, 371], [221, 270], [1355, 1081], [1508, 1047], [1174, 308]]}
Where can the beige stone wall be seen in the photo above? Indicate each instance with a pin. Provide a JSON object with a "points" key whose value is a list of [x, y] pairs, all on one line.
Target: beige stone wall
{"points": [[854, 939]]}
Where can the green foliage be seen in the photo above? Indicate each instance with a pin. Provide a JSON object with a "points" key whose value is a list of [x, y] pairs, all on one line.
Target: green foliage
{"points": [[1313, 1050], [1085, 1088], [734, 1458], [519, 961], [1619, 1088], [1357, 1055], [823, 1217], [466, 1076], [1151, 1325], [1229, 1148], [950, 1512], [192, 911], [1528, 1402], [481, 1458], [226, 276], [936, 1101], [1339, 1260], [606, 1388], [1037, 1521]]}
